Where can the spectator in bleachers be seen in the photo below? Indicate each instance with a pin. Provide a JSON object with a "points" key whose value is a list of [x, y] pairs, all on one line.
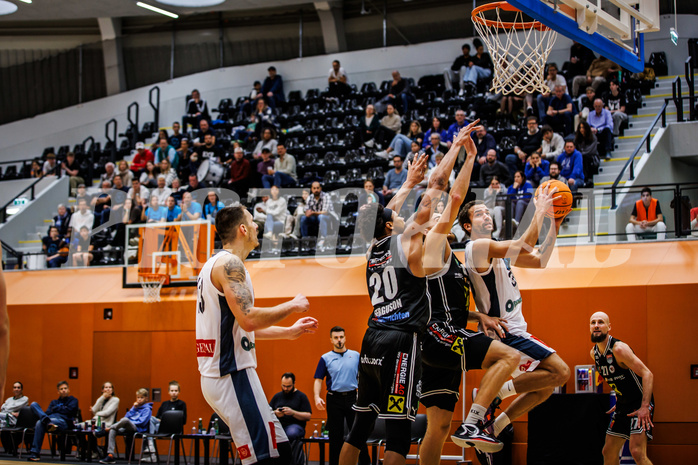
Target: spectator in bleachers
{"points": [[80, 252], [586, 143], [62, 219], [200, 136], [162, 192], [368, 125], [71, 167], [552, 80], [399, 93], [109, 172], [149, 175], [105, 408], [266, 164], [436, 146], [101, 204], [125, 173], [264, 118], [552, 143], [369, 194], [536, 168], [50, 164], [615, 103], [191, 210], [560, 110], [646, 217], [579, 62], [81, 193], [36, 169], [273, 88], [435, 128], [162, 134], [455, 128], [284, 172], [212, 205], [9, 413], [455, 73], [494, 205], [599, 71], [390, 125], [480, 65], [239, 181], [58, 416], [166, 152], [193, 183], [267, 142], [259, 214], [119, 184], [52, 245], [319, 212], [493, 168], [176, 138], [209, 150], [484, 143], [139, 194], [292, 228], [137, 419], [197, 110], [394, 179], [528, 142], [82, 217], [520, 193], [174, 403], [338, 81], [554, 173], [250, 102], [572, 166], [277, 210], [184, 153], [243, 133], [402, 143], [141, 157], [601, 123], [168, 171], [415, 133], [177, 189], [174, 212], [585, 103], [415, 148]]}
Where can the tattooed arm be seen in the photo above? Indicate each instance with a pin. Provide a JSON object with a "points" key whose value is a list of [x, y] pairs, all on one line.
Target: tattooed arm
{"points": [[539, 258], [229, 277]]}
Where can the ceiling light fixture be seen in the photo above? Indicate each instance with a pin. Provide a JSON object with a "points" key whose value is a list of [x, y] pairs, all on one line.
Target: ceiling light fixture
{"points": [[7, 8], [191, 3], [26, 1], [157, 10]]}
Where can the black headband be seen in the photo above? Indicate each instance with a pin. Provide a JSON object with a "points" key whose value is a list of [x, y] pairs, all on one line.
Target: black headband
{"points": [[387, 214]]}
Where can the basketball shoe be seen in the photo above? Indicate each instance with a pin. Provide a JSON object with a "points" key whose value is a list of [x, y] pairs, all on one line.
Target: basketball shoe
{"points": [[473, 436]]}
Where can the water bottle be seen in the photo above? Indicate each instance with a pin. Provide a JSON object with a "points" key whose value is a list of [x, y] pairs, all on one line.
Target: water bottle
{"points": [[315, 435], [99, 422], [215, 426], [193, 428], [323, 430], [201, 426]]}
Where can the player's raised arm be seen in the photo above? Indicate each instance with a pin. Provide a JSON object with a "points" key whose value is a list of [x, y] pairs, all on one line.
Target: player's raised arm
{"points": [[229, 275], [415, 175], [625, 356], [305, 325]]}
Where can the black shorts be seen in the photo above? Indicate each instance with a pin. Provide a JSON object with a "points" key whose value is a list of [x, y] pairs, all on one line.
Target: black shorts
{"points": [[390, 371], [623, 426], [446, 354]]}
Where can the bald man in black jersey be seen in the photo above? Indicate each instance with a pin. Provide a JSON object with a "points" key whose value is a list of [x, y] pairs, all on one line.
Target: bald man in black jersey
{"points": [[633, 382]]}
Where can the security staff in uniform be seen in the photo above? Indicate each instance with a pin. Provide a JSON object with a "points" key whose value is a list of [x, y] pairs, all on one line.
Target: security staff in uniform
{"points": [[340, 368]]}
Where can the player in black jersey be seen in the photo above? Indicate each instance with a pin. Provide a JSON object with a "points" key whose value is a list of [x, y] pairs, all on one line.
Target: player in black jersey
{"points": [[448, 348], [632, 381], [390, 365]]}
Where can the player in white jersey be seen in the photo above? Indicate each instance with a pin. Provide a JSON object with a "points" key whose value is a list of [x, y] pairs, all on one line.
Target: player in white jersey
{"points": [[496, 293], [227, 323]]}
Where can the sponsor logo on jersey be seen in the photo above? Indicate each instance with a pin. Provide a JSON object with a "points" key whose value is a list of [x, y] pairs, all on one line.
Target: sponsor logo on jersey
{"points": [[612, 369], [457, 346], [609, 359], [511, 304], [440, 333], [403, 359], [246, 344], [205, 347], [396, 404], [371, 361], [385, 309], [381, 260], [244, 452], [525, 366]]}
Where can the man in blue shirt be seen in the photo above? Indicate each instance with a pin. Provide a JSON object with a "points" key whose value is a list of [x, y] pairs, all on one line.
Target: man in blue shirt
{"points": [[339, 368], [601, 123], [173, 211], [394, 179], [560, 111], [58, 416], [572, 166], [455, 128]]}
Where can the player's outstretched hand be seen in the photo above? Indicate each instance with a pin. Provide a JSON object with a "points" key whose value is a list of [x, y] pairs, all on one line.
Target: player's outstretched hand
{"points": [[544, 199], [416, 169], [300, 304], [464, 133], [305, 325], [643, 417]]}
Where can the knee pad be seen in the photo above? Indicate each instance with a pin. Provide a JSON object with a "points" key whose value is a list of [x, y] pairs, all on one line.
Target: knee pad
{"points": [[398, 435], [361, 429]]}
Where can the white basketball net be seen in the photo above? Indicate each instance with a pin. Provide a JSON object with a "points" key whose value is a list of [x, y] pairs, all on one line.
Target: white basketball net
{"points": [[151, 287], [519, 55]]}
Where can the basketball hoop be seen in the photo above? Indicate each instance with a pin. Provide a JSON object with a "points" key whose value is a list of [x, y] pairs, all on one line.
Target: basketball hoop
{"points": [[152, 284], [519, 48]]}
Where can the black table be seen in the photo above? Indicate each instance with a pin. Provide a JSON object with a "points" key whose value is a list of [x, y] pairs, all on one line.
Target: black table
{"points": [[206, 438], [321, 442]]}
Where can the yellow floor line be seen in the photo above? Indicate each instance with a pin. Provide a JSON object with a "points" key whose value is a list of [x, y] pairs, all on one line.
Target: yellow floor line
{"points": [[608, 183], [619, 159], [652, 115], [664, 95]]}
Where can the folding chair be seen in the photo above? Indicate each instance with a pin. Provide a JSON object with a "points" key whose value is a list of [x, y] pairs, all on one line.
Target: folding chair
{"points": [[26, 421]]}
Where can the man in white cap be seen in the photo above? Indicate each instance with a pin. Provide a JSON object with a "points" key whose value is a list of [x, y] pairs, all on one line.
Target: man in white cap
{"points": [[143, 156]]}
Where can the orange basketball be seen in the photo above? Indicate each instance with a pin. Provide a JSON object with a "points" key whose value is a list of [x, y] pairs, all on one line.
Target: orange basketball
{"points": [[562, 204]]}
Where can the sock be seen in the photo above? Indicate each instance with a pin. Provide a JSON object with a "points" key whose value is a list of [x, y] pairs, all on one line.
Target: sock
{"points": [[477, 413], [507, 390], [500, 423]]}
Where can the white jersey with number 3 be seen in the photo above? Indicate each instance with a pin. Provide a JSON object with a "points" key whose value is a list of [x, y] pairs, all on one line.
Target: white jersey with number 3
{"points": [[495, 291], [222, 346]]}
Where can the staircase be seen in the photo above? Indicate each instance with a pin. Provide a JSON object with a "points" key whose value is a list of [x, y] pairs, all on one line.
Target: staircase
{"points": [[576, 230]]}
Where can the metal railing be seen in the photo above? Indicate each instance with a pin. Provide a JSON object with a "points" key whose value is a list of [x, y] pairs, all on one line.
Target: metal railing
{"points": [[32, 193], [155, 105]]}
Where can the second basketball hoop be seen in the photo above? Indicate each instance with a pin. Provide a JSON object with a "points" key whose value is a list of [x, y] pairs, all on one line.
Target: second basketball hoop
{"points": [[519, 47]]}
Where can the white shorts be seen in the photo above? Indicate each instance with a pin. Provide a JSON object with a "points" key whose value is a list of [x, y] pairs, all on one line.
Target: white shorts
{"points": [[531, 349], [239, 400]]}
